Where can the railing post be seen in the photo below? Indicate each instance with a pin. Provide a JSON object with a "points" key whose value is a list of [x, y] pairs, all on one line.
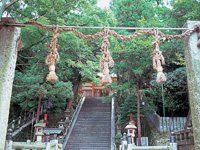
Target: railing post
{"points": [[173, 144], [55, 136], [13, 124], [47, 141], [19, 121], [47, 138], [60, 139], [9, 141], [124, 142]]}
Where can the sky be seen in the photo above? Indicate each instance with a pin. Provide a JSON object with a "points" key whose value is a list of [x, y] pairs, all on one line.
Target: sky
{"points": [[103, 3]]}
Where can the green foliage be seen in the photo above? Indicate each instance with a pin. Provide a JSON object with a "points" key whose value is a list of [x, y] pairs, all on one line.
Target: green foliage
{"points": [[175, 91], [118, 137], [180, 14], [135, 57], [78, 57], [129, 12], [28, 87]]}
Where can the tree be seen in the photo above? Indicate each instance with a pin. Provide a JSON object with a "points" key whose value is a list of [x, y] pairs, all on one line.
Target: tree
{"points": [[133, 60], [79, 58]]}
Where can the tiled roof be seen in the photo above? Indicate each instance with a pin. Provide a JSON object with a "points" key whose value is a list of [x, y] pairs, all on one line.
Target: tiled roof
{"points": [[40, 125], [53, 130]]}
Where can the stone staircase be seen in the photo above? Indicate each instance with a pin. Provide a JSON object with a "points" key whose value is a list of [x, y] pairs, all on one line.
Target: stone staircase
{"points": [[92, 130]]}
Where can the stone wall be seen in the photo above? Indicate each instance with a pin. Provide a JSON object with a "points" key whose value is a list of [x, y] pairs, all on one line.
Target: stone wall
{"points": [[186, 147]]}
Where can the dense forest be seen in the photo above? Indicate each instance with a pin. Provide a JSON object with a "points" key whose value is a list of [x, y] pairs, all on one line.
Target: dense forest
{"points": [[79, 58]]}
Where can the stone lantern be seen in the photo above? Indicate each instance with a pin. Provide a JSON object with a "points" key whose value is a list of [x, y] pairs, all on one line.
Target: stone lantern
{"points": [[67, 114], [39, 131], [131, 129], [61, 124]]}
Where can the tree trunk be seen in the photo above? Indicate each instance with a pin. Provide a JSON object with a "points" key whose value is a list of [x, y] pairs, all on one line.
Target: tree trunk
{"points": [[75, 89], [38, 109], [31, 137], [138, 111]]}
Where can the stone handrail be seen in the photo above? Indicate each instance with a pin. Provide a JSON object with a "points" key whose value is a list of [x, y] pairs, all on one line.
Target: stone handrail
{"points": [[129, 145], [112, 124], [21, 120], [72, 121], [24, 145], [52, 145], [151, 148], [185, 139]]}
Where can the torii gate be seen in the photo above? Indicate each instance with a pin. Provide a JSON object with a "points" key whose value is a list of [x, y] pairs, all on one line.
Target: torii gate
{"points": [[8, 55]]}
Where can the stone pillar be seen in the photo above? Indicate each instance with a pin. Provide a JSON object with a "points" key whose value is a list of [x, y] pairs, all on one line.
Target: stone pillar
{"points": [[192, 56], [8, 56], [173, 144]]}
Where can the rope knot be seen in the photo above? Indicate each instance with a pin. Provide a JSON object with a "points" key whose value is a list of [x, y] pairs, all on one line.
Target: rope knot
{"points": [[53, 55], [106, 59], [158, 59]]}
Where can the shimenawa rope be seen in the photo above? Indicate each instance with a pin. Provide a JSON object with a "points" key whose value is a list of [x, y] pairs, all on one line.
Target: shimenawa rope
{"points": [[106, 59]]}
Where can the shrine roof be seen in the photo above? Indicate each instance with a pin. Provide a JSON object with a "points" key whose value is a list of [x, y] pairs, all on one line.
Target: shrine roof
{"points": [[53, 130], [40, 125]]}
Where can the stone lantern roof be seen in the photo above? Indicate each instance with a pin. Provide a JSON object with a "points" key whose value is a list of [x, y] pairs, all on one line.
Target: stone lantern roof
{"points": [[131, 121], [131, 126], [40, 125]]}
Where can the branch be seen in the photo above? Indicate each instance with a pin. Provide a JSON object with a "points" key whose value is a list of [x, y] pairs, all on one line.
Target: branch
{"points": [[10, 4], [35, 43]]}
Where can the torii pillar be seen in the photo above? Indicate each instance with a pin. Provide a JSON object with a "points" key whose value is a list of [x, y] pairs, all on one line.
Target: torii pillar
{"points": [[192, 57], [8, 57]]}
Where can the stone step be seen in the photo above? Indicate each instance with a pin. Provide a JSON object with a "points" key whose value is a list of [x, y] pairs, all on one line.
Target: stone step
{"points": [[84, 130], [78, 134], [92, 130], [87, 121], [86, 148], [95, 109], [93, 119], [86, 144], [94, 114], [91, 140]]}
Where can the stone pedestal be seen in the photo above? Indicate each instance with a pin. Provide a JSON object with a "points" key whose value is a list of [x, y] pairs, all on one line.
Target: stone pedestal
{"points": [[131, 146], [8, 145], [192, 56], [8, 56], [173, 146]]}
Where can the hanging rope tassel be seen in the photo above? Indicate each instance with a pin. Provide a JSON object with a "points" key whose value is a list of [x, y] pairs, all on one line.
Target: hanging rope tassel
{"points": [[106, 59], [158, 59], [53, 56]]}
